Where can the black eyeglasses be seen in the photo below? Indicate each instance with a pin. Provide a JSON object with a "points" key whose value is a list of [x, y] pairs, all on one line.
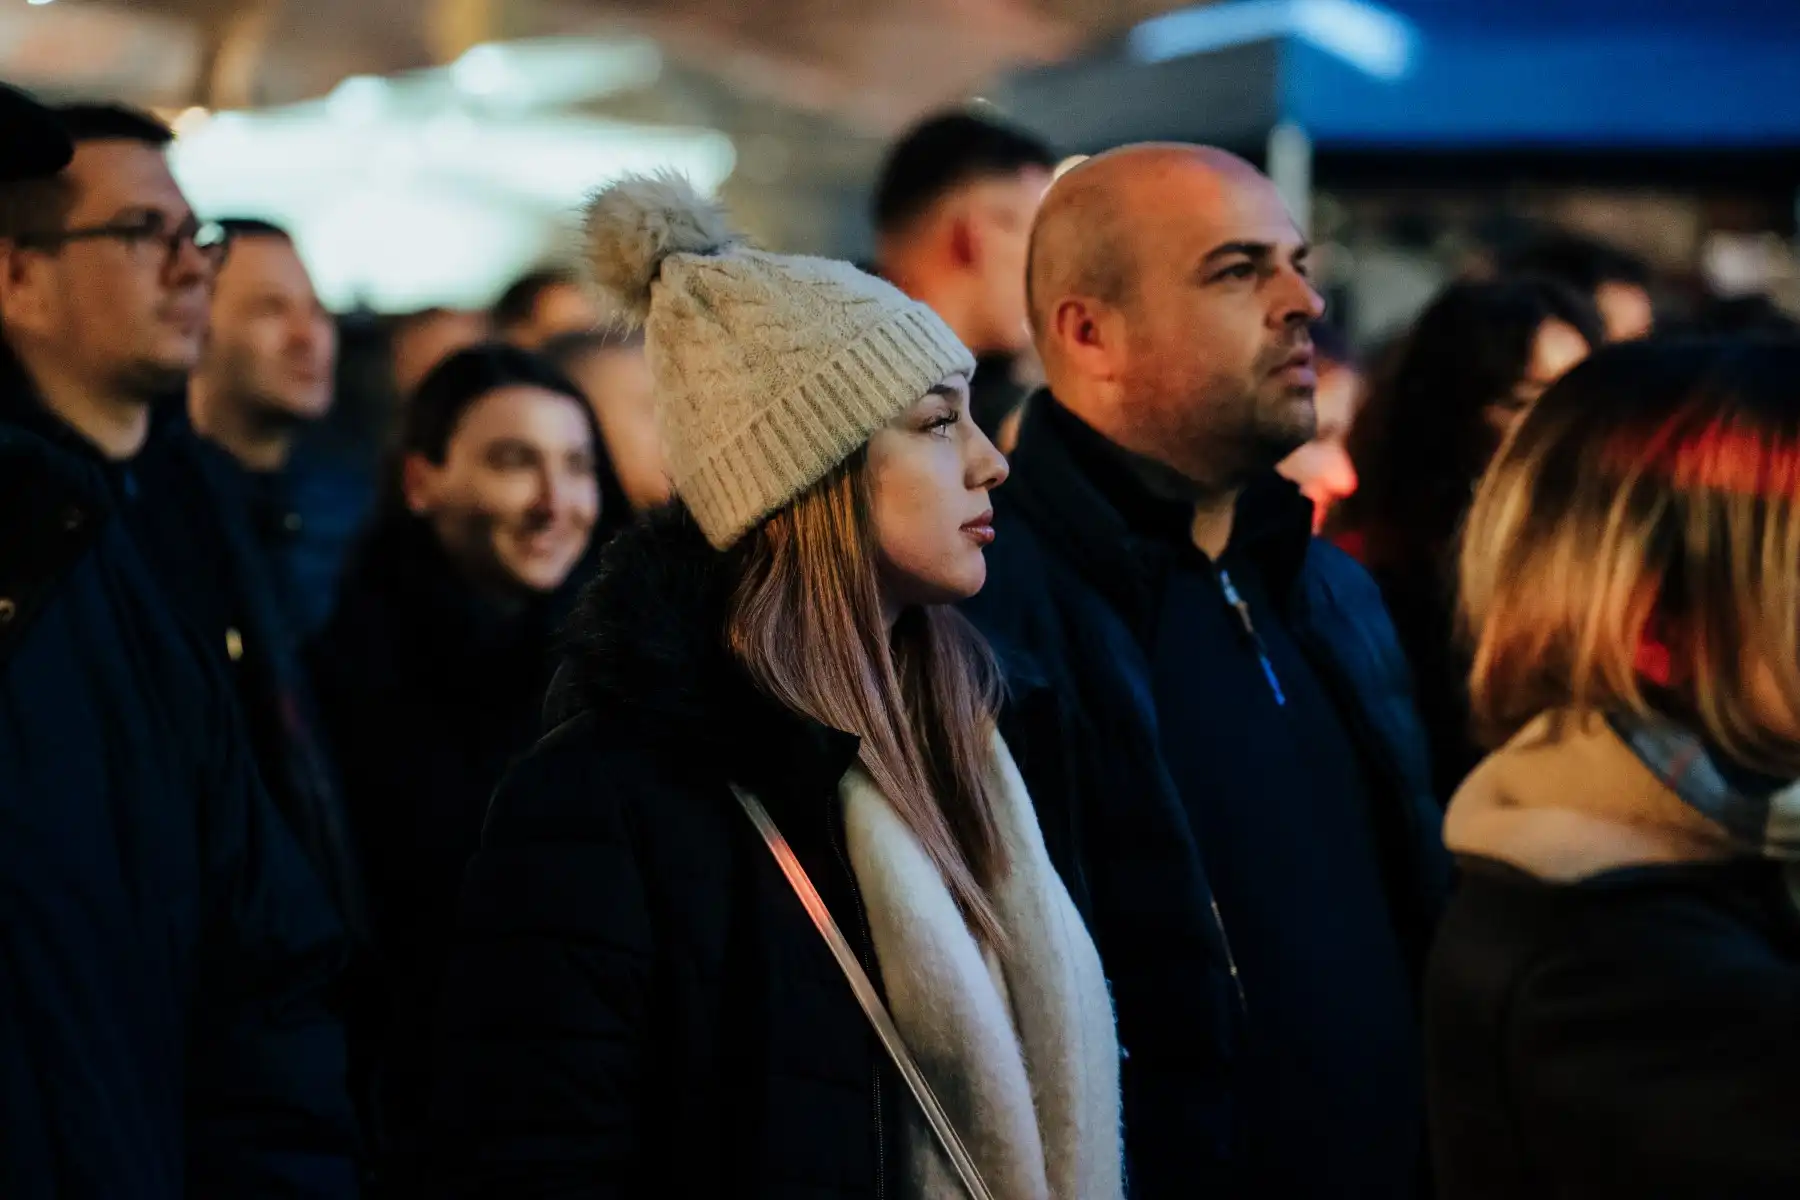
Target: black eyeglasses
{"points": [[150, 230]]}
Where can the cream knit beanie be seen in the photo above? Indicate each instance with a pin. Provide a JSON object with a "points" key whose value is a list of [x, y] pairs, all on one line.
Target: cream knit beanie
{"points": [[770, 369]]}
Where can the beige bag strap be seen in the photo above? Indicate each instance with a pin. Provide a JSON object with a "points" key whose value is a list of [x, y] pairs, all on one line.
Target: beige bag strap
{"points": [[866, 995]]}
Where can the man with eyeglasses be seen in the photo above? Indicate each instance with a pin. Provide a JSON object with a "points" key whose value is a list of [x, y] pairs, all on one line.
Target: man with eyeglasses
{"points": [[103, 312], [106, 301], [165, 950]]}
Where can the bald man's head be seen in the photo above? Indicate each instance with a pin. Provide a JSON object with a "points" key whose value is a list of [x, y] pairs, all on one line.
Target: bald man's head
{"points": [[1168, 295], [1092, 226]]}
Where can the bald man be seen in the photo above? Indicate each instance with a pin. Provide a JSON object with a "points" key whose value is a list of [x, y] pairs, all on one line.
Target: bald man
{"points": [[1232, 777]]}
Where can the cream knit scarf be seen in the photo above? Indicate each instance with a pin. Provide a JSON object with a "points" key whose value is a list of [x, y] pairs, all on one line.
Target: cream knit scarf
{"points": [[1020, 1047]]}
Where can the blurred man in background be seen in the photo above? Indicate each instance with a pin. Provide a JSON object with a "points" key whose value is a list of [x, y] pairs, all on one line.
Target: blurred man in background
{"points": [[420, 341], [105, 307], [613, 371], [1241, 752], [265, 377], [167, 950], [266, 372], [1617, 282], [953, 211], [543, 305]]}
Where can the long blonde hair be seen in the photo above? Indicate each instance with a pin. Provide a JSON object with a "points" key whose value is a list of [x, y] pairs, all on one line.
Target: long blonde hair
{"points": [[1636, 546], [806, 620]]}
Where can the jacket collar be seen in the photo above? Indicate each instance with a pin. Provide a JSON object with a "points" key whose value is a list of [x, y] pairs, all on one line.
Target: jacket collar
{"points": [[403, 589], [1567, 799], [1115, 529], [54, 510], [22, 407], [647, 641]]}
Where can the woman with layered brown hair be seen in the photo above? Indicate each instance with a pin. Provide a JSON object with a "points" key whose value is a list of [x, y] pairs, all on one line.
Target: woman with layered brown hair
{"points": [[1613, 1005], [772, 732]]}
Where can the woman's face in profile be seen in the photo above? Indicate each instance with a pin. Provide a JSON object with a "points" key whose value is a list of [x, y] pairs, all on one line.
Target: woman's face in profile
{"points": [[929, 474]]}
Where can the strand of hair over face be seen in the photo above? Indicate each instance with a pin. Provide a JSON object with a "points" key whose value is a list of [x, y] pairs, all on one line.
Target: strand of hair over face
{"points": [[806, 621]]}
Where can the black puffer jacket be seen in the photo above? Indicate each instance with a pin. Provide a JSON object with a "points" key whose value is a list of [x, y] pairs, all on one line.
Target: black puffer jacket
{"points": [[1634, 1034], [637, 1005], [181, 501], [1613, 1009], [429, 694]]}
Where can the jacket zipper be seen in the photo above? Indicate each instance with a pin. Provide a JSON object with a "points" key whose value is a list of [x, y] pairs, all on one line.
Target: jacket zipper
{"points": [[1237, 980], [1242, 607], [868, 960]]}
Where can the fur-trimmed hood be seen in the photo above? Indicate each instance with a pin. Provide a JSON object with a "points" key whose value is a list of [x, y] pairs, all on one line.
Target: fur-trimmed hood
{"points": [[648, 630], [646, 642]]}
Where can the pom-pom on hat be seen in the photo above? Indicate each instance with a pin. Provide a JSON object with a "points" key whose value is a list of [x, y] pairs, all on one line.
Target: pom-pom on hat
{"points": [[770, 369]]}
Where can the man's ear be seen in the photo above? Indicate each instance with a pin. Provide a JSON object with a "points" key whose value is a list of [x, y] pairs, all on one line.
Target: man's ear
{"points": [[419, 483], [21, 291], [965, 235], [1088, 335]]}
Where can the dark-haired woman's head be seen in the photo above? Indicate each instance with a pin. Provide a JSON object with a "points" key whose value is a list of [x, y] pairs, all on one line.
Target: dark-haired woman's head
{"points": [[1617, 282], [499, 457], [1472, 366], [1637, 546]]}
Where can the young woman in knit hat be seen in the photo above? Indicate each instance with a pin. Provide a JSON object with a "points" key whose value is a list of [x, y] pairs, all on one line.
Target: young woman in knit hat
{"points": [[766, 692], [1613, 1005]]}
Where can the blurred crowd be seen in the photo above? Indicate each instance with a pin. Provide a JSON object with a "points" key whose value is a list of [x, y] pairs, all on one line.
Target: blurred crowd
{"points": [[1247, 611]]}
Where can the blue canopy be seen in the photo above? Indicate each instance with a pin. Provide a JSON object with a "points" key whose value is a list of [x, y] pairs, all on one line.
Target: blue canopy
{"points": [[1439, 74]]}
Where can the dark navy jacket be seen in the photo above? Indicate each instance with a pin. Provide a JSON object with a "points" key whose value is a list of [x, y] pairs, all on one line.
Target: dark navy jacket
{"points": [[164, 947], [307, 518], [183, 501], [1070, 606]]}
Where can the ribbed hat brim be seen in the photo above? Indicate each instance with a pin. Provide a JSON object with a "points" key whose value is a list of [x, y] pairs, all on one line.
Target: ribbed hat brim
{"points": [[803, 435]]}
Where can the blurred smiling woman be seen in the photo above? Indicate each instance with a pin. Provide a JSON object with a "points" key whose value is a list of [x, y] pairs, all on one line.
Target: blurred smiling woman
{"points": [[431, 674], [767, 692], [1613, 1008]]}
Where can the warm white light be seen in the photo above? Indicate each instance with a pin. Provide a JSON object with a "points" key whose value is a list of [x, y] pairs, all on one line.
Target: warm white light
{"points": [[546, 73], [39, 2], [191, 121], [406, 247], [1068, 164], [450, 132], [398, 212], [438, 186], [358, 99], [483, 71]]}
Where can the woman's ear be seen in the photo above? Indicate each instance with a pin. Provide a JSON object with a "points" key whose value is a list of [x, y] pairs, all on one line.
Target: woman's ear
{"points": [[419, 483]]}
